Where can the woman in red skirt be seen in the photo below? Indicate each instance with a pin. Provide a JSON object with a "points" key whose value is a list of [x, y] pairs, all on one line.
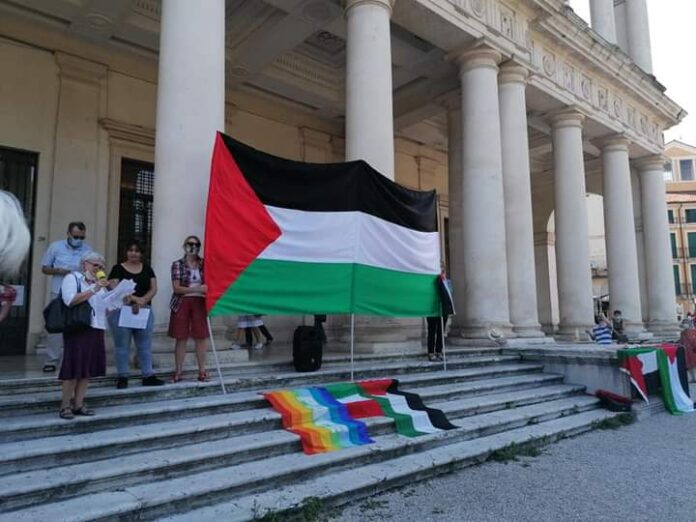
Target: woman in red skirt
{"points": [[84, 356], [188, 316]]}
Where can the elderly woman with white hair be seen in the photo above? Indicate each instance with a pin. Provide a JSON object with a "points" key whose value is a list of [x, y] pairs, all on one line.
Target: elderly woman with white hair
{"points": [[84, 355]]}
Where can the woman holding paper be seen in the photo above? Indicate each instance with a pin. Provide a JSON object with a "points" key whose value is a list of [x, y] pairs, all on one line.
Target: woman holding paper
{"points": [[84, 356], [135, 319]]}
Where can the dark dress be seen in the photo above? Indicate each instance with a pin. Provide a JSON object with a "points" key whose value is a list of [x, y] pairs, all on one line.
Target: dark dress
{"points": [[84, 355]]}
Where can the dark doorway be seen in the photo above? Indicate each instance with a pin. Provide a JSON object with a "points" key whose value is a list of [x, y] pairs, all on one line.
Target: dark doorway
{"points": [[135, 207], [18, 176]]}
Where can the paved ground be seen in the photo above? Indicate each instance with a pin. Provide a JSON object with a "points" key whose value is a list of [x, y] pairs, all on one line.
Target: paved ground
{"points": [[645, 471]]}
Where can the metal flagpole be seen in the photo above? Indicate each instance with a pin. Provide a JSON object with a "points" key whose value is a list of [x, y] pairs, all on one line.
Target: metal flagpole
{"points": [[352, 347], [215, 356]]}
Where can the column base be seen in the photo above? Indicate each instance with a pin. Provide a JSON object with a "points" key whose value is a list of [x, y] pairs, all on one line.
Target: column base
{"points": [[664, 329], [637, 332], [493, 332], [573, 333], [528, 331], [379, 335]]}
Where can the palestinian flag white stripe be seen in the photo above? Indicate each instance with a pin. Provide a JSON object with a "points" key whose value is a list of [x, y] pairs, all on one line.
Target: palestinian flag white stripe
{"points": [[352, 237], [420, 419]]}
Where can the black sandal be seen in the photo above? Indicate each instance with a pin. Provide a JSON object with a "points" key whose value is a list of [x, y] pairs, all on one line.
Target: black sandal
{"points": [[48, 368], [432, 357], [83, 410], [66, 413]]}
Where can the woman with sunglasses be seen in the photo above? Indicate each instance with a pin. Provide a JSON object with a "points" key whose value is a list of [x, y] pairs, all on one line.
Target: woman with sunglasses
{"points": [[143, 276], [188, 316], [84, 356]]}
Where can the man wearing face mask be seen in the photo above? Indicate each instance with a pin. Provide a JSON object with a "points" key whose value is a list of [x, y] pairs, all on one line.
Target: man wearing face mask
{"points": [[62, 257]]}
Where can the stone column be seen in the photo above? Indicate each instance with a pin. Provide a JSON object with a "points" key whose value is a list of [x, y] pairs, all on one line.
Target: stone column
{"points": [[369, 113], [638, 34], [519, 226], [619, 226], [484, 263], [190, 109], [658, 258], [572, 245], [602, 14]]}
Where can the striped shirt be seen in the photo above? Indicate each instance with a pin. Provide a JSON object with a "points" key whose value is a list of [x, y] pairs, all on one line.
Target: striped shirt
{"points": [[602, 333]]}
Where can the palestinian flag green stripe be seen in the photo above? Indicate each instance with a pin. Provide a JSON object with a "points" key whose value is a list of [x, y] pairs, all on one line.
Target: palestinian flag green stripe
{"points": [[264, 287]]}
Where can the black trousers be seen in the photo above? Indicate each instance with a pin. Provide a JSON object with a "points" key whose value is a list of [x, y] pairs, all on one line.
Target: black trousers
{"points": [[264, 331], [435, 333]]}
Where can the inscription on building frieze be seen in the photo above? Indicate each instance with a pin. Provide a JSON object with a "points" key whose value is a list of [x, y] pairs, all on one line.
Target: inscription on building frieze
{"points": [[507, 22], [603, 98], [569, 77], [549, 64], [586, 87]]}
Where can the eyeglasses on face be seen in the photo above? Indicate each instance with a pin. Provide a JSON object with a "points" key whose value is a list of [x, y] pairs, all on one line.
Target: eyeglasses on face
{"points": [[98, 266], [192, 243], [77, 237]]}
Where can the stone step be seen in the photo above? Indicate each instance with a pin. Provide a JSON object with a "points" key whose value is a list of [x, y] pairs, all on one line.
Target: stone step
{"points": [[258, 367], [93, 445], [342, 487], [437, 387], [192, 490], [464, 369]]}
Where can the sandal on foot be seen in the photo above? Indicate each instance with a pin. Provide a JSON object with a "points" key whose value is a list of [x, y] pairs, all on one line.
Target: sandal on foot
{"points": [[66, 413], [432, 357], [83, 410], [203, 376], [177, 377]]}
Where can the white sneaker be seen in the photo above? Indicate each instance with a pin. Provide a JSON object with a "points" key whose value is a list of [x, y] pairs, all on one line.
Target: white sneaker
{"points": [[258, 346], [235, 346]]}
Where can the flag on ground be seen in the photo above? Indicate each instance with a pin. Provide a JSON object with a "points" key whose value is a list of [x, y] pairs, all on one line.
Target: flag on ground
{"points": [[325, 418], [286, 237], [640, 363]]}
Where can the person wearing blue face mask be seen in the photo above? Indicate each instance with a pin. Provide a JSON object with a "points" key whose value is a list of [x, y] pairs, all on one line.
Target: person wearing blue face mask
{"points": [[62, 257]]}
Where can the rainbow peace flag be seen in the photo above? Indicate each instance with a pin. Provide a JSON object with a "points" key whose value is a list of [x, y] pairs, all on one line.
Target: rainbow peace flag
{"points": [[325, 418]]}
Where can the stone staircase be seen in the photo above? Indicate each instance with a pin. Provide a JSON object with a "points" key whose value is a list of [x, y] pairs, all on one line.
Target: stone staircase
{"points": [[186, 452]]}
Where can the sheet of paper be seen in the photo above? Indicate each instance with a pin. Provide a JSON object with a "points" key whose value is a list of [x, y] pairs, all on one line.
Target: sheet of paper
{"points": [[127, 319], [114, 298]]}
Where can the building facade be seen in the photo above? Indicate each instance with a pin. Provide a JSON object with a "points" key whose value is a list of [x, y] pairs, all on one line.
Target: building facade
{"points": [[681, 213], [513, 110]]}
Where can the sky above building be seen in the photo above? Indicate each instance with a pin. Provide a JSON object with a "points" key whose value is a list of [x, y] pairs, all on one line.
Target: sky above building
{"points": [[673, 40]]}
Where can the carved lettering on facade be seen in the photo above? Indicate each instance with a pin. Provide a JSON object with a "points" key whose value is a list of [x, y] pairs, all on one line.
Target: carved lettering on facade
{"points": [[586, 87], [631, 116], [507, 22], [478, 7], [568, 77], [549, 64], [603, 98]]}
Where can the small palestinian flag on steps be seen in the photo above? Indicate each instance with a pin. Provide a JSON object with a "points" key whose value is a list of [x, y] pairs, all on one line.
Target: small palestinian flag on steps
{"points": [[285, 237]]}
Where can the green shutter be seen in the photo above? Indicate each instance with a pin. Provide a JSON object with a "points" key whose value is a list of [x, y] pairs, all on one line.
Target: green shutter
{"points": [[691, 238], [673, 242], [677, 285]]}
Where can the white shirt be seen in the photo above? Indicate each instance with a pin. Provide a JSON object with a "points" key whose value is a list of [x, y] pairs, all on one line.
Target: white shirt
{"points": [[73, 284]]}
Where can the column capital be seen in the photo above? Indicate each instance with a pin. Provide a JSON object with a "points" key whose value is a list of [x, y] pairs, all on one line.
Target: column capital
{"points": [[650, 163], [513, 72], [566, 118], [476, 56], [387, 4], [614, 142]]}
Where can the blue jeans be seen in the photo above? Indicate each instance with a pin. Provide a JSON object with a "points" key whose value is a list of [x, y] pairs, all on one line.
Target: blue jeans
{"points": [[122, 338]]}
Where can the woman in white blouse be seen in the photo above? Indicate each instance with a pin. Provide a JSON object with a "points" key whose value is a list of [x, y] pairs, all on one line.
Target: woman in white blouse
{"points": [[84, 356]]}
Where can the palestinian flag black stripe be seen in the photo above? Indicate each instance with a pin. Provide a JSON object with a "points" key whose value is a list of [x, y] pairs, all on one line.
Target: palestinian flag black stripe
{"points": [[333, 187]]}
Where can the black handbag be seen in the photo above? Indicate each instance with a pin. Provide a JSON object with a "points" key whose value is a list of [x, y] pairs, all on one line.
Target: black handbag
{"points": [[60, 318]]}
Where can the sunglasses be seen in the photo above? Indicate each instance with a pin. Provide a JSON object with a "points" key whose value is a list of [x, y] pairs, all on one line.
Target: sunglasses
{"points": [[77, 237], [191, 243]]}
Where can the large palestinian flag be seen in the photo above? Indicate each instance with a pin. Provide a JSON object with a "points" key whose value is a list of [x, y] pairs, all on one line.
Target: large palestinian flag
{"points": [[285, 237]]}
